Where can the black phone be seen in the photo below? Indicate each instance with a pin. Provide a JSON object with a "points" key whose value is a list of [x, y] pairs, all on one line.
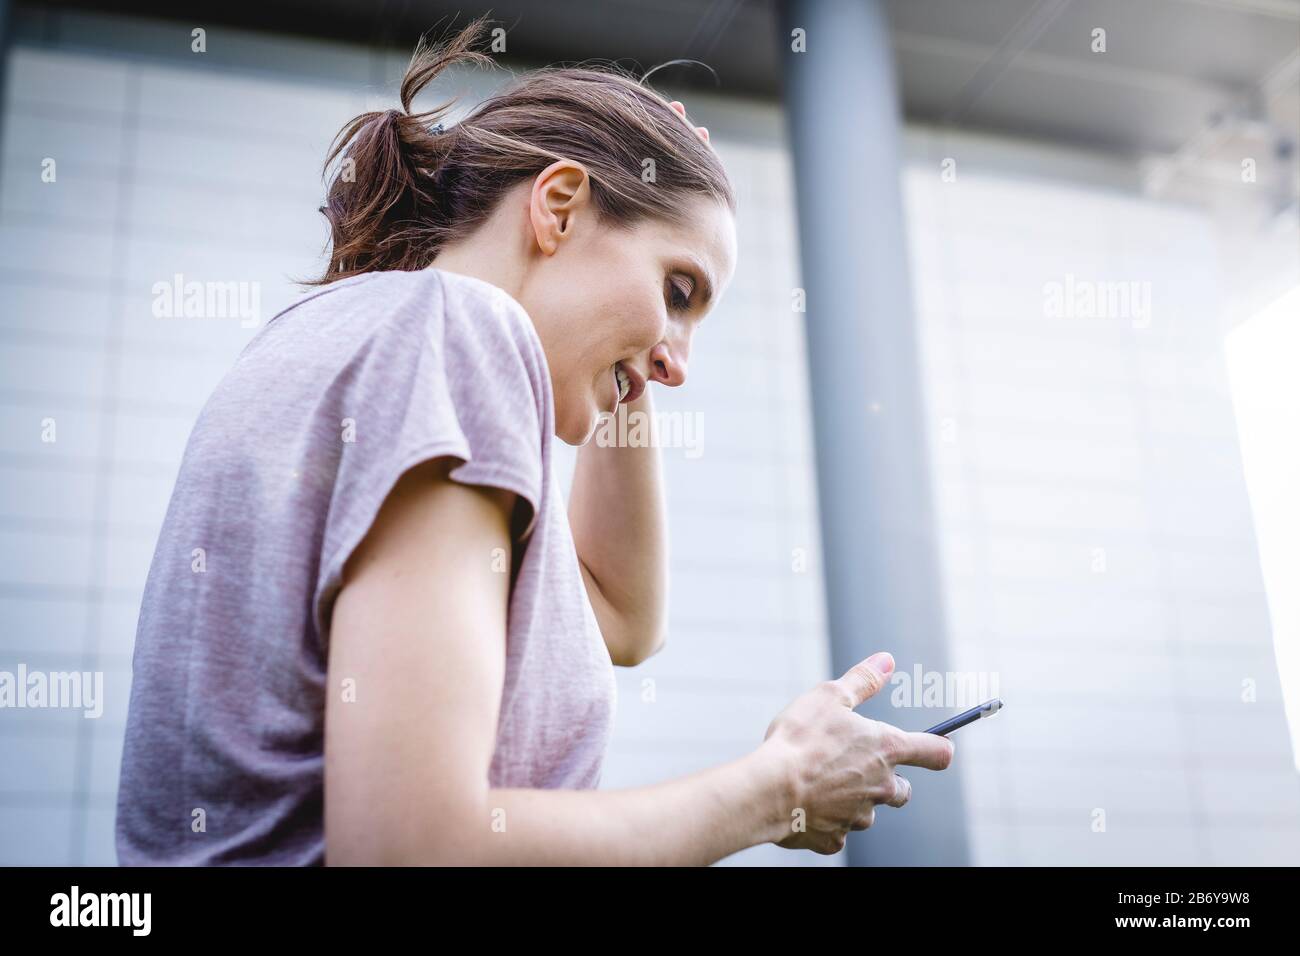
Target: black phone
{"points": [[986, 709]]}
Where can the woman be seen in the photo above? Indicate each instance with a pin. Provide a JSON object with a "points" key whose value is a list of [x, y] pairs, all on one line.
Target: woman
{"points": [[370, 633]]}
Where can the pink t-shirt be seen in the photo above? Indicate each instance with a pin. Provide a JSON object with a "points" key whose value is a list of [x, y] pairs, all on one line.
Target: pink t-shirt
{"points": [[282, 477]]}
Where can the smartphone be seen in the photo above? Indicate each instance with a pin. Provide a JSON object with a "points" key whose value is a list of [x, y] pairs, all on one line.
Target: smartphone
{"points": [[986, 709]]}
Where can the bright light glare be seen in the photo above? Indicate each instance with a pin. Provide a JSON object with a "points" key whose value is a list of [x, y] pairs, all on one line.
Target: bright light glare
{"points": [[1263, 357]]}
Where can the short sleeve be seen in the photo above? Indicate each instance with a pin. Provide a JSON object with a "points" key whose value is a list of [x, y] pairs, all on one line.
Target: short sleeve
{"points": [[457, 372]]}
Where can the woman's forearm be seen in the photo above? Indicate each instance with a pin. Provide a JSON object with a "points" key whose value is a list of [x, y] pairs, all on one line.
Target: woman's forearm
{"points": [[616, 512], [690, 821]]}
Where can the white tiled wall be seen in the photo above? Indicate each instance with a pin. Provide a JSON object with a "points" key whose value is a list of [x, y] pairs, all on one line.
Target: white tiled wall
{"points": [[1096, 536]]}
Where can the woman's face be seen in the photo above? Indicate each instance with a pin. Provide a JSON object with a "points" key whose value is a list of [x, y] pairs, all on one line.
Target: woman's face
{"points": [[616, 308]]}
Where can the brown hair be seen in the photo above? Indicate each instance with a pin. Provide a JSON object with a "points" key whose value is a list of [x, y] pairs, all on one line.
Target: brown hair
{"points": [[404, 187]]}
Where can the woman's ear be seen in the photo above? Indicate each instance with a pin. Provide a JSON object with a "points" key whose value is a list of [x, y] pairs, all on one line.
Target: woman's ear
{"points": [[560, 198]]}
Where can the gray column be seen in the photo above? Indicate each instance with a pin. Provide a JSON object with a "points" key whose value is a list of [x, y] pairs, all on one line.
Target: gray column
{"points": [[6, 11], [883, 590]]}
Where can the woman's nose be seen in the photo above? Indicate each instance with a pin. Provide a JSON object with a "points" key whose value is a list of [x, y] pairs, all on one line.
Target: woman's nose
{"points": [[668, 363]]}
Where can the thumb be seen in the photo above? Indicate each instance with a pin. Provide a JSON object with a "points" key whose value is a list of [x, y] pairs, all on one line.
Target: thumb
{"points": [[865, 678]]}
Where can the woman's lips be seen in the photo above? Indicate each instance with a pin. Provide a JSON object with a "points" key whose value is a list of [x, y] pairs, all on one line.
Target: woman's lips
{"points": [[635, 383]]}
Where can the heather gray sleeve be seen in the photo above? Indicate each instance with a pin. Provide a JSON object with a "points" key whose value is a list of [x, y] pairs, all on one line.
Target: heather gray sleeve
{"points": [[461, 377]]}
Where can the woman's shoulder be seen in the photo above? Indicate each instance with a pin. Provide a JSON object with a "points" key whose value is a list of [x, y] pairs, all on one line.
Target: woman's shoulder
{"points": [[478, 342], [455, 312], [486, 307], [483, 327], [453, 305]]}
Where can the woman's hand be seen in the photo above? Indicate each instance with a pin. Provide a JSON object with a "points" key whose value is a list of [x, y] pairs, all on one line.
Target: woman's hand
{"points": [[681, 108], [841, 763]]}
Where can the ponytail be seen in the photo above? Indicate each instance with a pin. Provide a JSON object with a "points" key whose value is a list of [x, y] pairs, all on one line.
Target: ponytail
{"points": [[383, 203]]}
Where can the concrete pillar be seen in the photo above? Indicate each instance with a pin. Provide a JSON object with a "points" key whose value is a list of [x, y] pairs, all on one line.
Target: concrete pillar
{"points": [[873, 477]]}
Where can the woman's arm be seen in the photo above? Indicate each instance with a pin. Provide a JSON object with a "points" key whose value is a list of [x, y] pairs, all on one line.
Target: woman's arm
{"points": [[616, 512], [416, 668], [418, 635]]}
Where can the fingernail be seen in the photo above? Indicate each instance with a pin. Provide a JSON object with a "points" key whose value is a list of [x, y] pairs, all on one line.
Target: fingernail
{"points": [[883, 662], [704, 131]]}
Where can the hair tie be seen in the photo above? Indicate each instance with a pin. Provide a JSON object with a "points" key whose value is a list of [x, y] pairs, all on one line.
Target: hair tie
{"points": [[438, 128]]}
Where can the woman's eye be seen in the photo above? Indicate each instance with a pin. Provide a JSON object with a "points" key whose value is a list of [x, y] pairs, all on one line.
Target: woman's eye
{"points": [[681, 298]]}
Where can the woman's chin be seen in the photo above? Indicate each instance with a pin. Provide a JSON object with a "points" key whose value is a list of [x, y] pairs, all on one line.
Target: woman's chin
{"points": [[580, 432]]}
